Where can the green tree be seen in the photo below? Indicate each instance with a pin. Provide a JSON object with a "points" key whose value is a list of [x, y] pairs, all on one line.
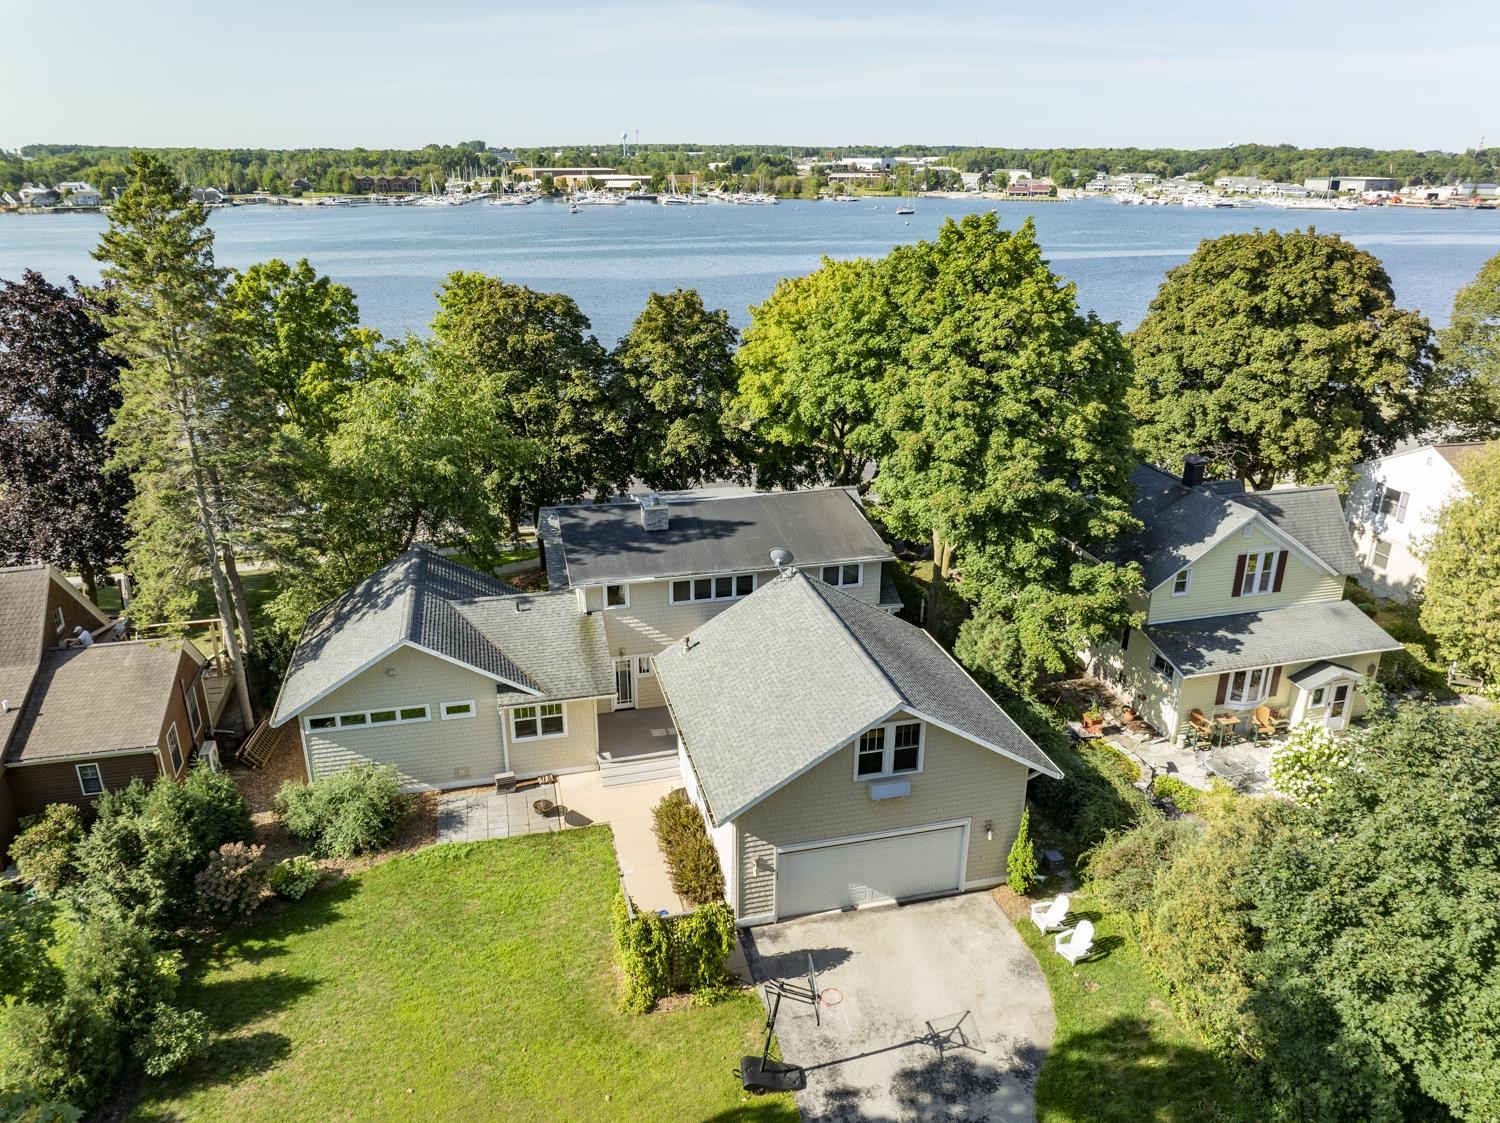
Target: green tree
{"points": [[811, 372], [165, 322], [1461, 601], [1470, 363], [26, 936], [1279, 356], [1007, 444], [676, 379]]}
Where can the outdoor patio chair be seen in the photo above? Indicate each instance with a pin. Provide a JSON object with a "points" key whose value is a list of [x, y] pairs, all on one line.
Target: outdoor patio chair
{"points": [[1074, 943], [1265, 724], [1048, 915], [1199, 724]]}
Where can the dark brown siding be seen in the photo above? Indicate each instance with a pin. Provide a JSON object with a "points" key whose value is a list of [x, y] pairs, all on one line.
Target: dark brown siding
{"points": [[7, 817], [177, 711], [74, 615], [34, 786]]}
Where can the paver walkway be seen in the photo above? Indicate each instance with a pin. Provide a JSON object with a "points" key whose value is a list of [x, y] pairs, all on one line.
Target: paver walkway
{"points": [[473, 815]]}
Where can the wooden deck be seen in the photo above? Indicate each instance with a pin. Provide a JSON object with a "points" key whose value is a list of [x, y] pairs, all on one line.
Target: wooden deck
{"points": [[218, 687]]}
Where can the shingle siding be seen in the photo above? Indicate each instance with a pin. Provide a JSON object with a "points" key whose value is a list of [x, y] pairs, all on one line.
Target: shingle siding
{"points": [[578, 750], [34, 786]]}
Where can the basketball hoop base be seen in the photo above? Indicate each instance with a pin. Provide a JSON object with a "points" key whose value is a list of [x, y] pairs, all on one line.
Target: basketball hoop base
{"points": [[758, 1074]]}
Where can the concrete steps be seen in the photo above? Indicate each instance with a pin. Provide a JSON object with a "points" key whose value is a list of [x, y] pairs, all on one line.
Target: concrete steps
{"points": [[638, 768]]}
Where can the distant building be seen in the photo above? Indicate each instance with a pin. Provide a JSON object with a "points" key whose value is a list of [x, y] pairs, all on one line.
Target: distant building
{"points": [[1355, 183], [382, 184], [9, 200], [209, 196], [37, 195], [974, 181], [868, 163], [1028, 188], [562, 173], [1240, 184], [854, 177], [300, 184], [1128, 181], [76, 193]]}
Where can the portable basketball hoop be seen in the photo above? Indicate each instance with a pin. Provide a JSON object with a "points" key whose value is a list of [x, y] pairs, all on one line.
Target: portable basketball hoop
{"points": [[762, 1074]]}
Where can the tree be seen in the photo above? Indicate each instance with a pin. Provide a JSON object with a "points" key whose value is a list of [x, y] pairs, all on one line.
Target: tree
{"points": [[26, 935], [675, 381], [1470, 363], [60, 502], [165, 322], [1007, 444], [811, 375], [1279, 356], [1461, 602]]}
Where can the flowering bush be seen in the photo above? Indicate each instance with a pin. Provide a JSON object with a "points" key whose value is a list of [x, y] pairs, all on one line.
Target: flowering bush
{"points": [[229, 886], [1307, 764], [294, 877]]}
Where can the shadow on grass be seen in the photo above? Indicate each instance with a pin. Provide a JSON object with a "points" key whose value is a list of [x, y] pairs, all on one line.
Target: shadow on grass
{"points": [[264, 937], [228, 1061]]}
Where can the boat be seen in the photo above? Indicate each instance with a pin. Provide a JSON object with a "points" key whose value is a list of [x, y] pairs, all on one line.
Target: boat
{"points": [[575, 209]]}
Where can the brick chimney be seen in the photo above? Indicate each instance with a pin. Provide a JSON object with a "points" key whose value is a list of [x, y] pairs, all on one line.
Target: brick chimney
{"points": [[654, 514], [1193, 469]]}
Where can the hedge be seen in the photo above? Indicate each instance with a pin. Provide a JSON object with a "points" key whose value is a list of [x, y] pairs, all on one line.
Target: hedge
{"points": [[662, 955], [692, 861]]}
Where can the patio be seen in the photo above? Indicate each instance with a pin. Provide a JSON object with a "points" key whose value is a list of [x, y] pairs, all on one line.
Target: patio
{"points": [[1245, 764]]}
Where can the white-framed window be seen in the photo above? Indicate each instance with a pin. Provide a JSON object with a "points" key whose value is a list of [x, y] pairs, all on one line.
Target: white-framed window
{"points": [[1183, 582], [644, 667], [58, 618], [90, 781], [888, 750], [1250, 687], [174, 746], [451, 710], [195, 716], [532, 723], [360, 719], [1391, 502], [1380, 553], [1160, 665], [616, 596], [845, 576], [1318, 695], [1260, 572], [728, 586]]}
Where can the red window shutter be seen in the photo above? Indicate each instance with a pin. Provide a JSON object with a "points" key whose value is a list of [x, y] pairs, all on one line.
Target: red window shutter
{"points": [[1223, 685], [1239, 578], [1280, 571], [1275, 681]]}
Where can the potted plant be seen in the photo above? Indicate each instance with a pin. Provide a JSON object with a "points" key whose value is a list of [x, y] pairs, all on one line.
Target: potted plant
{"points": [[1093, 719]]}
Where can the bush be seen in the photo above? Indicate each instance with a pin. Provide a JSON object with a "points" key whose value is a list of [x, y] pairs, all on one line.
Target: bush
{"points": [[701, 942], [644, 948], [27, 1105], [1121, 762], [1305, 766], [26, 933], [1094, 796], [63, 1050], [174, 1038], [113, 966], [1184, 797], [294, 876], [692, 861], [1122, 869], [220, 813], [1020, 864], [46, 852], [229, 887], [351, 812]]}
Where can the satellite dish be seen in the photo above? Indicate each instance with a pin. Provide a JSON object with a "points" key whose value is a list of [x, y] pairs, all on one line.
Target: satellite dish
{"points": [[781, 558]]}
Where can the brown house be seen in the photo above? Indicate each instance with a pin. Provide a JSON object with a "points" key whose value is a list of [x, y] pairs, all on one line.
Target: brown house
{"points": [[79, 719]]}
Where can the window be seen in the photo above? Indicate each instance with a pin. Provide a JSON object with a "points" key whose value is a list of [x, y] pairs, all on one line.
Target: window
{"points": [[57, 615], [1248, 688], [1260, 572], [457, 710], [1380, 554], [1182, 582], [195, 717], [844, 576], [643, 665], [391, 715], [617, 596], [90, 782], [529, 723], [1160, 665], [1391, 502], [1318, 695], [731, 586], [889, 750], [174, 746]]}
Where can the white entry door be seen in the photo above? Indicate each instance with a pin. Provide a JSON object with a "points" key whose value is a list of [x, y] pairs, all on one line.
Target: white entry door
{"points": [[840, 875], [1338, 707], [624, 684]]}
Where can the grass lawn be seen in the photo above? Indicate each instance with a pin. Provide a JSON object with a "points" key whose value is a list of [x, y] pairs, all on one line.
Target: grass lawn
{"points": [[472, 981], [1119, 1052]]}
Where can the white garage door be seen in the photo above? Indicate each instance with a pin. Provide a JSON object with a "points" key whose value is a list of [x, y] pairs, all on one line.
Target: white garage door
{"points": [[842, 874]]}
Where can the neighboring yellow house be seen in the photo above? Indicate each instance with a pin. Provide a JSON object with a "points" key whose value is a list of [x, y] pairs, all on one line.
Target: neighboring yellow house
{"points": [[1244, 605]]}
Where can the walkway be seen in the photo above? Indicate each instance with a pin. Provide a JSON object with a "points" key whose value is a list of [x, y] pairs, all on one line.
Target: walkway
{"points": [[474, 814]]}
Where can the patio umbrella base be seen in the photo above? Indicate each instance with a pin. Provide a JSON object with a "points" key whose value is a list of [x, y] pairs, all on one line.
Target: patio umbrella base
{"points": [[759, 1074]]}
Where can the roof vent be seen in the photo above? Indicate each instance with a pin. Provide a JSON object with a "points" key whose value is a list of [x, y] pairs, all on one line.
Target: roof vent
{"points": [[523, 604], [4, 706], [654, 514], [1193, 469]]}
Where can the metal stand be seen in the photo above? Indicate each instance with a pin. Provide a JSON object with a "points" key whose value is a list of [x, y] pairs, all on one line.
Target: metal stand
{"points": [[762, 1074]]}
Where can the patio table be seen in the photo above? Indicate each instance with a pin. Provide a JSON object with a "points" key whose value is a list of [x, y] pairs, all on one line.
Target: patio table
{"points": [[1226, 726]]}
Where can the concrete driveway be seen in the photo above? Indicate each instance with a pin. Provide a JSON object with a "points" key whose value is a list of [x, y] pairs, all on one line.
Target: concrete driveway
{"points": [[944, 1013]]}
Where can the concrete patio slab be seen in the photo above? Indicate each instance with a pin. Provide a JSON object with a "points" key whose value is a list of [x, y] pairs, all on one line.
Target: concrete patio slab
{"points": [[627, 809]]}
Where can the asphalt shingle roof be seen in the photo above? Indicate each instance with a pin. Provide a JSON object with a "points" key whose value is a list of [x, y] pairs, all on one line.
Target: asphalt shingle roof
{"points": [[790, 674], [563, 650], [594, 544], [1301, 633]]}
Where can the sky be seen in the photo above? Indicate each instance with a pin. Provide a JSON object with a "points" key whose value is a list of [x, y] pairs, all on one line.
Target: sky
{"points": [[1002, 72]]}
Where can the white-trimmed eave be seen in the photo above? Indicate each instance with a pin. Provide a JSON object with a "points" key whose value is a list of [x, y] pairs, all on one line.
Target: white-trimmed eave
{"points": [[594, 583], [277, 722], [1261, 663]]}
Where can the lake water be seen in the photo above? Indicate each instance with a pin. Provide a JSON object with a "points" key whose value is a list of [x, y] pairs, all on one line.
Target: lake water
{"points": [[609, 258]]}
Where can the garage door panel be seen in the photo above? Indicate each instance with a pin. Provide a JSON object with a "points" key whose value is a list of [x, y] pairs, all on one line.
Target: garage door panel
{"points": [[846, 874]]}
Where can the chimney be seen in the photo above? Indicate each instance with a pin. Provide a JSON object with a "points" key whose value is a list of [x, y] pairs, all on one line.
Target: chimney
{"points": [[654, 515], [1193, 468]]}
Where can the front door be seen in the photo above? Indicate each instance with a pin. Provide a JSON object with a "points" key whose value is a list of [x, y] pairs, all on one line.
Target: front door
{"points": [[624, 684], [1338, 707]]}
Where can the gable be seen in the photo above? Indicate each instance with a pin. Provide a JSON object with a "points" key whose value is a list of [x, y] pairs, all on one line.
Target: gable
{"points": [[1214, 575], [407, 674]]}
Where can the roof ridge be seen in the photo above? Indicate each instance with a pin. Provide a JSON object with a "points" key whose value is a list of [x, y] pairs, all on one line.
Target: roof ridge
{"points": [[851, 638]]}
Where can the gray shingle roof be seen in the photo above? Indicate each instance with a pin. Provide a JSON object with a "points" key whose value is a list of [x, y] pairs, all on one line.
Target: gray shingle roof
{"points": [[781, 679], [562, 649], [1180, 523], [1303, 632], [594, 544], [1321, 673], [132, 683]]}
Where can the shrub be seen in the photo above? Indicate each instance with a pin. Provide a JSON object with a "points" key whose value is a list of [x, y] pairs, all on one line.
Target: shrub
{"points": [[220, 813], [701, 942], [27, 1105], [644, 948], [294, 876], [229, 887], [63, 1050], [26, 933], [46, 852], [1121, 762], [174, 1038], [349, 813], [1021, 865], [1122, 869], [1094, 796], [1305, 766], [692, 861], [113, 966], [1184, 797]]}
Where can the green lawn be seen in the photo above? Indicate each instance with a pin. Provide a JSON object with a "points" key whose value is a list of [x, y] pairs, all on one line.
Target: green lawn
{"points": [[1119, 1052], [471, 981]]}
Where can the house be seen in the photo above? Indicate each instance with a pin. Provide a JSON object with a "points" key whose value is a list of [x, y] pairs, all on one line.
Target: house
{"points": [[1393, 506], [37, 195], [455, 677], [75, 720], [1243, 605], [301, 184], [383, 184], [1356, 183], [839, 755], [76, 193]]}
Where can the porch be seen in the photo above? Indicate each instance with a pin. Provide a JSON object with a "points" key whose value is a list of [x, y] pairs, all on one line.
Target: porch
{"points": [[637, 746]]}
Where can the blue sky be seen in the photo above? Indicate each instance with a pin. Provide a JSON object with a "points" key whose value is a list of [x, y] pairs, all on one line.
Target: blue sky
{"points": [[1190, 74]]}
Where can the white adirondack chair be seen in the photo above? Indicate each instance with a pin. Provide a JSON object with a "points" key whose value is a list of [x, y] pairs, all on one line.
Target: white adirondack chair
{"points": [[1048, 915], [1074, 943]]}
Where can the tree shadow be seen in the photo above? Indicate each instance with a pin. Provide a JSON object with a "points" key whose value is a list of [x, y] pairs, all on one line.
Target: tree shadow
{"points": [[228, 1061], [231, 1003], [264, 938]]}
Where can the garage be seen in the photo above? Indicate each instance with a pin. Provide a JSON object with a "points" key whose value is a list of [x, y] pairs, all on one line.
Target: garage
{"points": [[846, 873]]}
